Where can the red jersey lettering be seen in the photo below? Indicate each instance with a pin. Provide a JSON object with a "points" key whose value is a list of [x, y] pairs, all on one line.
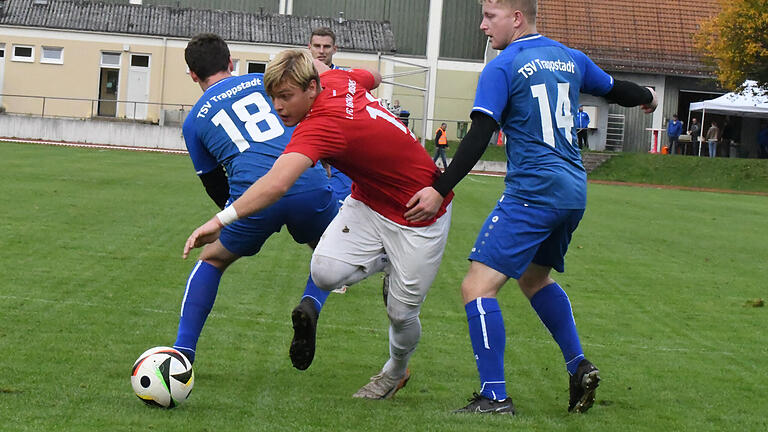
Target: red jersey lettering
{"points": [[352, 131]]}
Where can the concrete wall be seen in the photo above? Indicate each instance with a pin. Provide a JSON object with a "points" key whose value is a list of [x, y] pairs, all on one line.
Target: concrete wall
{"points": [[92, 131]]}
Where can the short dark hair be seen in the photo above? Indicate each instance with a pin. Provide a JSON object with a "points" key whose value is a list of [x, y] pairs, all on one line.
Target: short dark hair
{"points": [[323, 31], [207, 54]]}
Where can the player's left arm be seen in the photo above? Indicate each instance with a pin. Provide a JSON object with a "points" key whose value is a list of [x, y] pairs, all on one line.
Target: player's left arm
{"points": [[629, 94], [207, 167], [625, 93], [265, 192], [368, 78], [216, 184]]}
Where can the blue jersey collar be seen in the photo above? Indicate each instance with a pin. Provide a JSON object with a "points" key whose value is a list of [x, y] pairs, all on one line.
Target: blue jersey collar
{"points": [[527, 37], [219, 82]]}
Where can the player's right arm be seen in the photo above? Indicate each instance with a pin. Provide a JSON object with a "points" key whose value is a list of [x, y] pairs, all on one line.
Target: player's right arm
{"points": [[490, 100], [211, 174], [425, 203], [260, 195]]}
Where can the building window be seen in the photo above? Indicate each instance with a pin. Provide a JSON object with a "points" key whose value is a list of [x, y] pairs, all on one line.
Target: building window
{"points": [[256, 67], [23, 53], [53, 55], [2, 51], [109, 59], [140, 60], [235, 67]]}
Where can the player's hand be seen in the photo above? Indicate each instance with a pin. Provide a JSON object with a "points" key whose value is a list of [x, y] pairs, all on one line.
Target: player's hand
{"points": [[207, 233], [651, 107], [320, 66], [423, 205]]}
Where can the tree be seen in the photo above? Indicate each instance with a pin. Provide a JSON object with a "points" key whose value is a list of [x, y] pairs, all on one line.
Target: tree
{"points": [[735, 42]]}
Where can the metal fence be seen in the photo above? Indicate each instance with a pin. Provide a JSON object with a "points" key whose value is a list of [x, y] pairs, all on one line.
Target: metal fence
{"points": [[82, 108], [161, 113]]}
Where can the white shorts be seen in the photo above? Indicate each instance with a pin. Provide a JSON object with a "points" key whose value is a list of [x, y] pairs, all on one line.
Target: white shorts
{"points": [[358, 235]]}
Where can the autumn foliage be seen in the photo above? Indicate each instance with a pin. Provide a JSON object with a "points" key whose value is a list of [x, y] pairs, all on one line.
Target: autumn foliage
{"points": [[736, 42]]}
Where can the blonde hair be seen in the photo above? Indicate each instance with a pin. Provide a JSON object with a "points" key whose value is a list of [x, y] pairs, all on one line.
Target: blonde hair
{"points": [[290, 66], [529, 8]]}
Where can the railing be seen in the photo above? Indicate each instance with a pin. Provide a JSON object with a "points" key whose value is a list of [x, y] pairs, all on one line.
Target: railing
{"points": [[615, 133], [50, 106], [456, 128], [116, 108]]}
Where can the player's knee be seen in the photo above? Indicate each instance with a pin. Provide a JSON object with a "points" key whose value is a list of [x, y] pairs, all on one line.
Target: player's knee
{"points": [[328, 273], [401, 314]]}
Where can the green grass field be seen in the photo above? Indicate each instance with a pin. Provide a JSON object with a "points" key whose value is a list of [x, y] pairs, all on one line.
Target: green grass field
{"points": [[703, 172], [91, 275]]}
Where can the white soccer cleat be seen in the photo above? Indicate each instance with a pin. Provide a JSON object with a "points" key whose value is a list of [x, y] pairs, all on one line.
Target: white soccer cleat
{"points": [[382, 386]]}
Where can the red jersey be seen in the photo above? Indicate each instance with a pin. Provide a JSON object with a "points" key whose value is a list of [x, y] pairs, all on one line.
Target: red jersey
{"points": [[351, 130]]}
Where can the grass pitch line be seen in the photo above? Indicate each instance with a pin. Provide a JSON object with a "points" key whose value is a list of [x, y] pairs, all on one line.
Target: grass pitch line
{"points": [[370, 329]]}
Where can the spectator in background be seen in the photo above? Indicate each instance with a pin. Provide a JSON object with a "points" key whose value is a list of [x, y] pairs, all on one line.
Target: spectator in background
{"points": [[713, 135], [762, 140], [441, 144], [695, 132], [728, 135], [322, 46], [396, 108], [582, 123], [674, 129]]}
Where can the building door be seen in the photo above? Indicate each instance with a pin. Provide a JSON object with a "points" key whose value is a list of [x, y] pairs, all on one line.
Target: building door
{"points": [[109, 80], [2, 70], [108, 92], [138, 87]]}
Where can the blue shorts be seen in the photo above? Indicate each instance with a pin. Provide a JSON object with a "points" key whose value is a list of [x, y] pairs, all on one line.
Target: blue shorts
{"points": [[341, 185], [515, 234], [306, 214]]}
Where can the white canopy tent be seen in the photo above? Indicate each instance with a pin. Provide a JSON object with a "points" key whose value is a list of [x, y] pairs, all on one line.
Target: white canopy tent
{"points": [[750, 102]]}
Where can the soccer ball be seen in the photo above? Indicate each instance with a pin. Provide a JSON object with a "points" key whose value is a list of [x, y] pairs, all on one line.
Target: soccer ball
{"points": [[162, 377]]}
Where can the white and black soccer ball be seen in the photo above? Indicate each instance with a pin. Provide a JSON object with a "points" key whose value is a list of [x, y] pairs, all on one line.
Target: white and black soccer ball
{"points": [[162, 377]]}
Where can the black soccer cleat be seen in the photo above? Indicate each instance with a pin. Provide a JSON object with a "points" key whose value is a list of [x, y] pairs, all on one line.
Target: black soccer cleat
{"points": [[583, 385], [304, 317], [480, 404]]}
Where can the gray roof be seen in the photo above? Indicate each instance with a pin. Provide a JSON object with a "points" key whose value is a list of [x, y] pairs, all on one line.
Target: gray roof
{"points": [[351, 35]]}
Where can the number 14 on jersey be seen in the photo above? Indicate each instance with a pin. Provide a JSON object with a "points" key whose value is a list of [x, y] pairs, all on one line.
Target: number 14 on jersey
{"points": [[562, 112]]}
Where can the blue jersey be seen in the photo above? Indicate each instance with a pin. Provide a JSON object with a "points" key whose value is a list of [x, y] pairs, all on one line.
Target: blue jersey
{"points": [[233, 124], [532, 90]]}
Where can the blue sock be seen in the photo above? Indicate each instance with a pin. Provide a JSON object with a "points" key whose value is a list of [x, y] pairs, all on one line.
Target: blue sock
{"points": [[486, 331], [315, 293], [554, 309], [202, 285]]}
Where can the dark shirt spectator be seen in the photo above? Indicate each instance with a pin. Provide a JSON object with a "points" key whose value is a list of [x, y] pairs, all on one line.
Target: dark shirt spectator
{"points": [[694, 131], [582, 123], [762, 141]]}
